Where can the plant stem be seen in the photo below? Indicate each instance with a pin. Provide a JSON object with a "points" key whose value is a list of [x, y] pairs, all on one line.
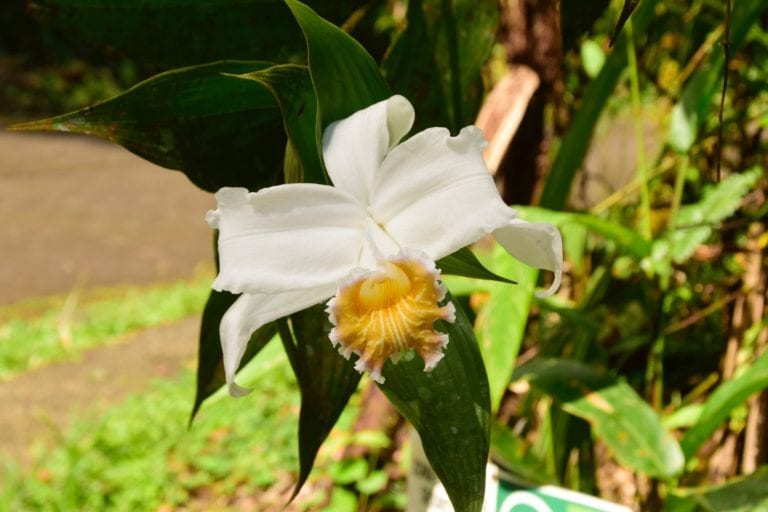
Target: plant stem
{"points": [[642, 170]]}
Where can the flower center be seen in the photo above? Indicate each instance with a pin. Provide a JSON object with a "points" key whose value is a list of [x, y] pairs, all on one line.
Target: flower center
{"points": [[380, 315]]}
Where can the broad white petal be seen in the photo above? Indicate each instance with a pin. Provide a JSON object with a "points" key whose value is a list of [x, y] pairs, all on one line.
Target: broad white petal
{"points": [[251, 311], [354, 147], [285, 238], [536, 245], [434, 193]]}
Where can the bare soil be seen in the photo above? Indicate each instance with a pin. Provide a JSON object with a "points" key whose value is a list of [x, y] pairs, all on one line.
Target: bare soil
{"points": [[77, 211], [81, 213]]}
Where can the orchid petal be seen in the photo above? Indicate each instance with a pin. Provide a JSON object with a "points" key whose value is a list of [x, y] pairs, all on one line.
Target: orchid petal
{"points": [[434, 192], [251, 311], [288, 237], [354, 147], [537, 245]]}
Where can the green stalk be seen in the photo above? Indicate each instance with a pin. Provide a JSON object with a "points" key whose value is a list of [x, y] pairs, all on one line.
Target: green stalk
{"points": [[642, 169]]}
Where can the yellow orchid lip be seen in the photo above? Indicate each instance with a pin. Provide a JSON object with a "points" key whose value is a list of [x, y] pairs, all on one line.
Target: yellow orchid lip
{"points": [[379, 315]]}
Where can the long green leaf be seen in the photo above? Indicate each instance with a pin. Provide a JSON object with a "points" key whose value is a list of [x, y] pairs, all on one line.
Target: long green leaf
{"points": [[500, 324], [218, 130], [449, 408], [174, 33], [292, 87], [326, 380], [617, 414], [464, 263], [722, 401], [746, 494], [345, 76]]}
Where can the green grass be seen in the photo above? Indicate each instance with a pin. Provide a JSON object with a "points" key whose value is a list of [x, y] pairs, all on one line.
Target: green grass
{"points": [[62, 327], [140, 455]]}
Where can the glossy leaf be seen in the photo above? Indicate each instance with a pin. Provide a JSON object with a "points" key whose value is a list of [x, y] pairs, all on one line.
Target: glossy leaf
{"points": [[218, 130], [617, 414], [464, 263], [722, 401], [500, 324], [449, 408], [291, 86], [345, 76], [326, 381], [173, 33], [576, 140]]}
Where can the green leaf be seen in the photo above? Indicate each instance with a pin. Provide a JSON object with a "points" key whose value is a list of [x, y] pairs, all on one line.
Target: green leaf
{"points": [[464, 263], [695, 222], [449, 408], [500, 324], [326, 381], [616, 413], [746, 494], [218, 130], [592, 57], [696, 101], [210, 361], [345, 76], [291, 86], [174, 33], [722, 401], [576, 140], [438, 59]]}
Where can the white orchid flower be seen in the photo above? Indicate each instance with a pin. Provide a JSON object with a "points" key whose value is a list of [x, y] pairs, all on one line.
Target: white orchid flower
{"points": [[369, 241]]}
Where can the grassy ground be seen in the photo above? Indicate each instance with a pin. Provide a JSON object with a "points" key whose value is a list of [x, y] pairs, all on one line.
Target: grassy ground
{"points": [[140, 455], [37, 332]]}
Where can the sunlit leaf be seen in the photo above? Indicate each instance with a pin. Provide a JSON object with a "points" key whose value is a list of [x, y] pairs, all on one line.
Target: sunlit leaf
{"points": [[722, 401], [449, 408], [695, 222], [745, 494], [617, 414], [218, 130], [500, 324]]}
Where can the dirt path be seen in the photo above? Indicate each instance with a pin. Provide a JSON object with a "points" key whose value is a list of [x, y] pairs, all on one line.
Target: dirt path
{"points": [[38, 404], [77, 211]]}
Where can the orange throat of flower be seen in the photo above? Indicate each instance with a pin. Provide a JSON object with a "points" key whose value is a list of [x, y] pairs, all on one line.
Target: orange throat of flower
{"points": [[380, 315]]}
